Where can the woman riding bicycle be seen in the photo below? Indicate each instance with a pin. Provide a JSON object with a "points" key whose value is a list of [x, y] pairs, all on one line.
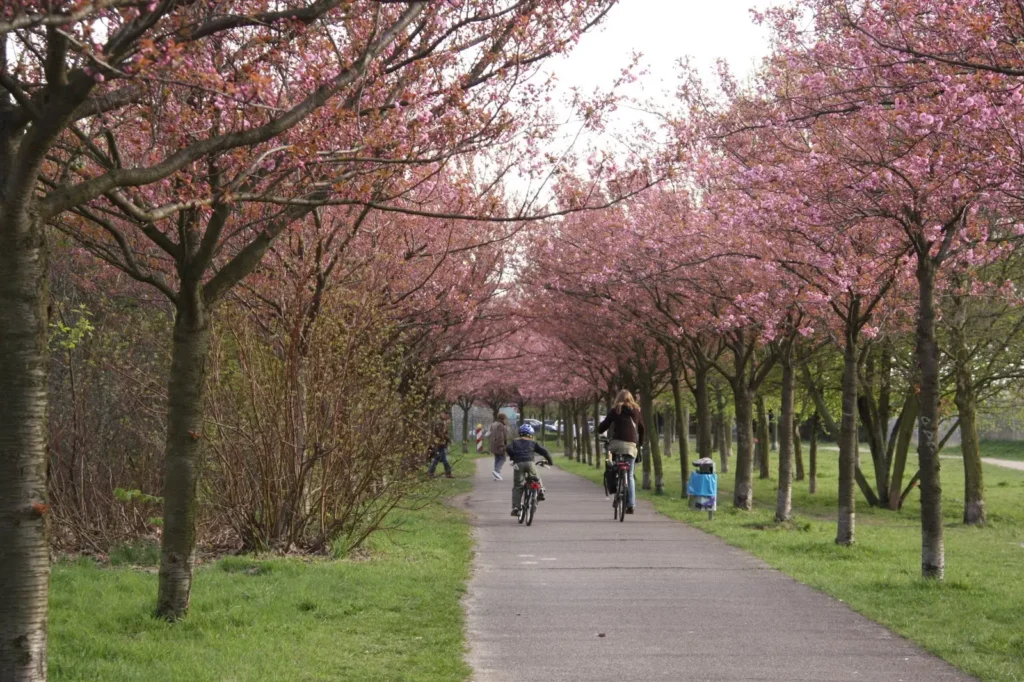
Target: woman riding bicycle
{"points": [[520, 453], [627, 435]]}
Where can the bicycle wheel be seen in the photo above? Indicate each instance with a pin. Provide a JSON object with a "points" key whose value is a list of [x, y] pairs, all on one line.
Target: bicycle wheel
{"points": [[532, 509], [623, 495], [524, 505]]}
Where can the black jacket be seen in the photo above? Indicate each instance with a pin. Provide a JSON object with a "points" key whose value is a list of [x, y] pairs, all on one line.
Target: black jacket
{"points": [[628, 425], [523, 450]]}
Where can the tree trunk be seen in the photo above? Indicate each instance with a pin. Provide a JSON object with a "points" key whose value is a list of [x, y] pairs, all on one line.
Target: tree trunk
{"points": [[974, 485], [908, 418], [566, 430], [743, 491], [24, 530], [798, 450], [719, 434], [653, 445], [784, 499], [466, 407], [183, 458], [543, 421], [725, 444], [700, 392], [967, 409], [670, 429], [585, 433], [812, 455], [846, 526], [764, 458], [598, 459], [682, 421], [667, 435], [581, 443], [932, 545]]}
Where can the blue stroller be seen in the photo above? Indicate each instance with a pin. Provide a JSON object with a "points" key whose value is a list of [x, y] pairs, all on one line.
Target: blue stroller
{"points": [[702, 487]]}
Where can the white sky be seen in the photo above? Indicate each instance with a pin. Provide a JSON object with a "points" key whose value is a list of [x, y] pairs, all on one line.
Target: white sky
{"points": [[664, 31]]}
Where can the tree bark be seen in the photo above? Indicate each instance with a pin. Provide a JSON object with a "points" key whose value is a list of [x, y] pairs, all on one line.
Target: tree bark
{"points": [[682, 421], [967, 409], [24, 530], [653, 444], [598, 459], [183, 460], [574, 418], [743, 490], [566, 430], [974, 485], [671, 431], [667, 435], [543, 422], [720, 434], [798, 450], [763, 457], [846, 526], [904, 434], [725, 444], [703, 397], [585, 433], [812, 455], [784, 499], [465, 403], [932, 544]]}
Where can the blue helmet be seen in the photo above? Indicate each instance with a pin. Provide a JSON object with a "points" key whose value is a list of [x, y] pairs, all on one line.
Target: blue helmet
{"points": [[525, 430]]}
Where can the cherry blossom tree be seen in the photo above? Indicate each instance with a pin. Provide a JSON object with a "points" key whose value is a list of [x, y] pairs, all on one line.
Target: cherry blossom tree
{"points": [[148, 130]]}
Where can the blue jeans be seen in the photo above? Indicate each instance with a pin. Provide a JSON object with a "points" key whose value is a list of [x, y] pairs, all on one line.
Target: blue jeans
{"points": [[632, 482], [499, 461], [631, 494], [440, 457]]}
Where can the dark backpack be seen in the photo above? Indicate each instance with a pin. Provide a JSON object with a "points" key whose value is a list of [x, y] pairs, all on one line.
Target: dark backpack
{"points": [[609, 478]]}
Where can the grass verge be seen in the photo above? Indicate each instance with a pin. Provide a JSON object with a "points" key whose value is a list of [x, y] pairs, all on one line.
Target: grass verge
{"points": [[972, 620], [394, 616], [1002, 449]]}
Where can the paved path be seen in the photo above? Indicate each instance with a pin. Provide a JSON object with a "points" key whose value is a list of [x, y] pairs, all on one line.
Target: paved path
{"points": [[580, 597]]}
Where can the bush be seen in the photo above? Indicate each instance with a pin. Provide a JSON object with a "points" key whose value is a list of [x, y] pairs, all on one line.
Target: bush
{"points": [[316, 439]]}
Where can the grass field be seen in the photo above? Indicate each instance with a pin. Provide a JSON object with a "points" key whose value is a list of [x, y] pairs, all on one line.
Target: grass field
{"points": [[393, 616], [974, 619], [1002, 449]]}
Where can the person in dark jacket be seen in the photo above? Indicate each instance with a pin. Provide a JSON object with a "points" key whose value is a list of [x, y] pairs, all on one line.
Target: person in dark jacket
{"points": [[521, 452], [627, 435], [439, 451], [499, 435]]}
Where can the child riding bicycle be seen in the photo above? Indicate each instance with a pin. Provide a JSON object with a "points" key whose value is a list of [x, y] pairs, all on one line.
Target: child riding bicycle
{"points": [[521, 452]]}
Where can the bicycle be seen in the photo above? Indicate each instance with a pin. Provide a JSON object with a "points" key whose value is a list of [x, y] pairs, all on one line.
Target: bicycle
{"points": [[620, 487], [528, 499], [621, 499]]}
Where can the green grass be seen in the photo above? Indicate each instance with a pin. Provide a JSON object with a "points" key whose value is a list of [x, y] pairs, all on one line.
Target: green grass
{"points": [[394, 616], [1002, 449], [973, 619]]}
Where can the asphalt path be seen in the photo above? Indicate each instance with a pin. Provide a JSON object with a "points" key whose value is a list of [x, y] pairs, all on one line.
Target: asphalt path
{"points": [[578, 596]]}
